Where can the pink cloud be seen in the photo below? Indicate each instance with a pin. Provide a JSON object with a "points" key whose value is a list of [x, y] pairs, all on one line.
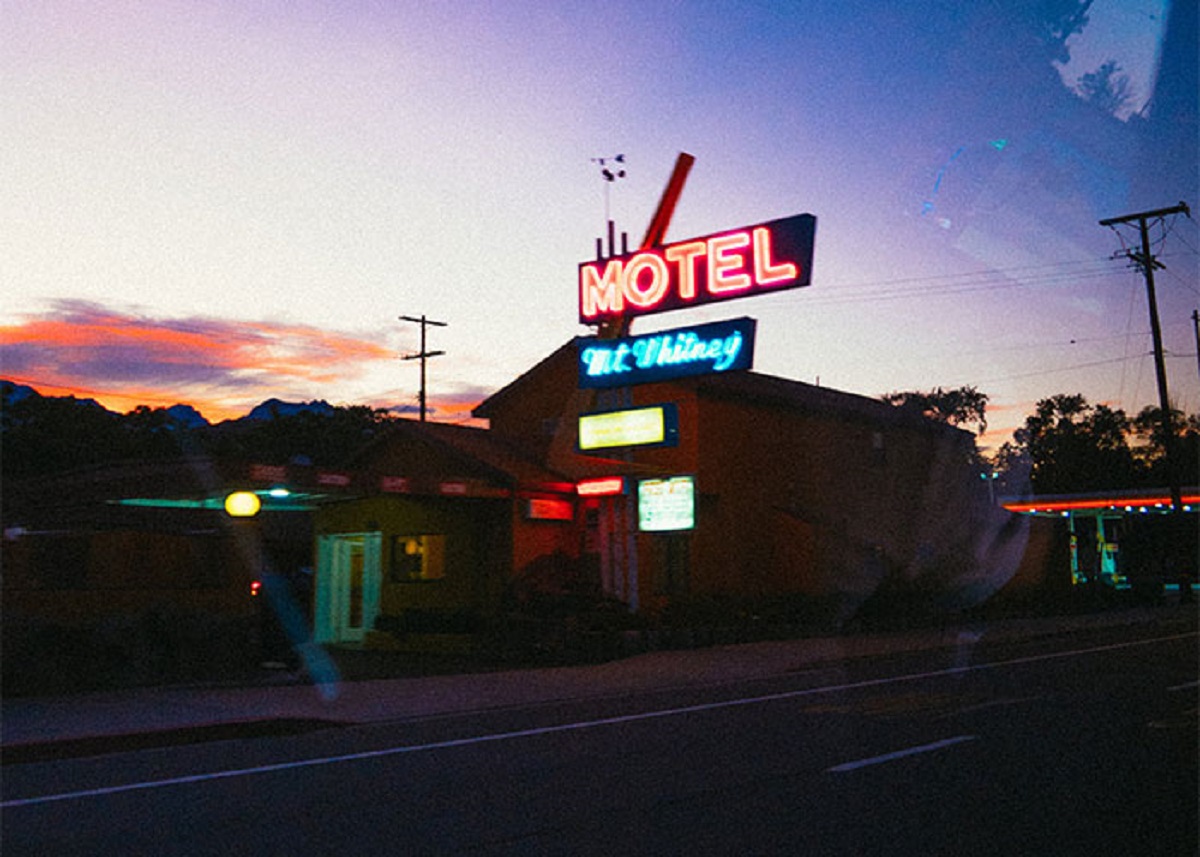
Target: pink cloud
{"points": [[220, 366]]}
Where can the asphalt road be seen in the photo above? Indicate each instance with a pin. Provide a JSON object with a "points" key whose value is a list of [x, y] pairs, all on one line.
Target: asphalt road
{"points": [[1073, 744]]}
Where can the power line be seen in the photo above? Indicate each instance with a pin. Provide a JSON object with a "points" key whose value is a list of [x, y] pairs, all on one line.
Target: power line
{"points": [[832, 293], [1061, 369]]}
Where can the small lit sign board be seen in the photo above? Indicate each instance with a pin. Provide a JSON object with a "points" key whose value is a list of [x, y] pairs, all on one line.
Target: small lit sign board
{"points": [[547, 509], [656, 425], [666, 505], [769, 257], [722, 346], [601, 486]]}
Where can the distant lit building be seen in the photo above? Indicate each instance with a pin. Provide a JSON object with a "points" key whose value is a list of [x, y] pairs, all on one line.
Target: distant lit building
{"points": [[1118, 538]]}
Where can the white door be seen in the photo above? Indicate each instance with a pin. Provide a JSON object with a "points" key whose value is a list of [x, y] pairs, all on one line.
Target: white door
{"points": [[347, 586]]}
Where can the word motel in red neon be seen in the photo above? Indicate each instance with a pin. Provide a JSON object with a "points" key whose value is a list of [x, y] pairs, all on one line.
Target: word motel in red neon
{"points": [[769, 257]]}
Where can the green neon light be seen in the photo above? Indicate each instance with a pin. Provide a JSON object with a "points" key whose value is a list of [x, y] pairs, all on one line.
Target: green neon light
{"points": [[294, 503]]}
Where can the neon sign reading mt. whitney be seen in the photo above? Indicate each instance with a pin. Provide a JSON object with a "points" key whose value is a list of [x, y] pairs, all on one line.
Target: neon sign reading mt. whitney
{"points": [[768, 257], [721, 346]]}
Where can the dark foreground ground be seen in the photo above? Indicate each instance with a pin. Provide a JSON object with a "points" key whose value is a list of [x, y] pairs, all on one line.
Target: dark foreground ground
{"points": [[161, 652]]}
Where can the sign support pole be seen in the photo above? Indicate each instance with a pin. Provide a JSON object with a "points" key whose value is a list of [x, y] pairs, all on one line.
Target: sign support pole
{"points": [[655, 232]]}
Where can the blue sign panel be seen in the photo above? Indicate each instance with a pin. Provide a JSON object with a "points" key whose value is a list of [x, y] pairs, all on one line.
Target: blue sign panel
{"points": [[722, 346]]}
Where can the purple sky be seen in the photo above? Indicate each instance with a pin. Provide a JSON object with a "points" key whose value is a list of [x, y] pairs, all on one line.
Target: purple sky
{"points": [[216, 203]]}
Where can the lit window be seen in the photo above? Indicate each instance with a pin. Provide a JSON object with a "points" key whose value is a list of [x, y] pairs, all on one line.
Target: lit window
{"points": [[416, 558]]}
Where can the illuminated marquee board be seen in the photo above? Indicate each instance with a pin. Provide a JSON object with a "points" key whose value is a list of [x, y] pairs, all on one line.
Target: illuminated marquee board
{"points": [[665, 505], [723, 346], [545, 509], [601, 486], [656, 425], [769, 257]]}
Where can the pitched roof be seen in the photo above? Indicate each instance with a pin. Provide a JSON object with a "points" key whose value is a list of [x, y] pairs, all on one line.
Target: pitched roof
{"points": [[797, 395], [754, 387], [480, 452]]}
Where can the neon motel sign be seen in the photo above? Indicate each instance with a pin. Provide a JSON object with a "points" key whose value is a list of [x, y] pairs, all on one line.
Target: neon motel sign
{"points": [[772, 256], [722, 346]]}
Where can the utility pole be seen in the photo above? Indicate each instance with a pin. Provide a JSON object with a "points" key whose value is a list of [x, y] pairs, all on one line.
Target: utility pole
{"points": [[1196, 334], [423, 354], [1147, 263]]}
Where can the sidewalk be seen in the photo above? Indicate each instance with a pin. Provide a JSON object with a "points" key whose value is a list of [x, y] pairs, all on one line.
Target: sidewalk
{"points": [[40, 728]]}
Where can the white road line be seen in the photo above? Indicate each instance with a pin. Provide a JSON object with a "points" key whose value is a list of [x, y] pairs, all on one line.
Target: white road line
{"points": [[1191, 685], [898, 754], [566, 727]]}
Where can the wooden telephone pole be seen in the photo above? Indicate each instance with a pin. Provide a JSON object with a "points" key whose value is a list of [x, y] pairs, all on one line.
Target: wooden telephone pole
{"points": [[1145, 261], [422, 354]]}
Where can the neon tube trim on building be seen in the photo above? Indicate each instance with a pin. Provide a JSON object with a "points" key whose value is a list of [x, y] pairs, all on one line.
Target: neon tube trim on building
{"points": [[1118, 501], [723, 346], [601, 486], [769, 257]]}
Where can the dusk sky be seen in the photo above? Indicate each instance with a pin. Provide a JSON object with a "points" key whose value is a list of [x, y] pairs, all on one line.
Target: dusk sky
{"points": [[217, 203]]}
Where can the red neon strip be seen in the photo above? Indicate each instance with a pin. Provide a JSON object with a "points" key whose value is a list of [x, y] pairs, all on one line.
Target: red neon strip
{"points": [[766, 271], [1103, 503], [649, 294], [685, 255], [603, 487], [602, 292], [726, 267]]}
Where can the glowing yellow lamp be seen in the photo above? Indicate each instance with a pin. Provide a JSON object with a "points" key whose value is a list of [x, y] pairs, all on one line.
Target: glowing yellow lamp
{"points": [[242, 504]]}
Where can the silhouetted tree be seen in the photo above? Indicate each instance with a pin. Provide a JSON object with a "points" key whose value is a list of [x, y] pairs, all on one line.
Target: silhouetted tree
{"points": [[1106, 88], [328, 439], [1055, 21], [963, 406], [155, 433], [47, 434], [40, 434], [1068, 446], [1150, 446]]}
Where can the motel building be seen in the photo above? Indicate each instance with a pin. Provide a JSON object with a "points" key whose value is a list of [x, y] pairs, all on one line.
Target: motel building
{"points": [[748, 485], [731, 485]]}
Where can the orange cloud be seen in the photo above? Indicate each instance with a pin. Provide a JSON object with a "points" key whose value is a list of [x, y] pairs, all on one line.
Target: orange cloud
{"points": [[220, 366]]}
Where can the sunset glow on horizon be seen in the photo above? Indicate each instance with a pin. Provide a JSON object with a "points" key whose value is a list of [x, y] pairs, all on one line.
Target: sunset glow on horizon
{"points": [[217, 204], [221, 367]]}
